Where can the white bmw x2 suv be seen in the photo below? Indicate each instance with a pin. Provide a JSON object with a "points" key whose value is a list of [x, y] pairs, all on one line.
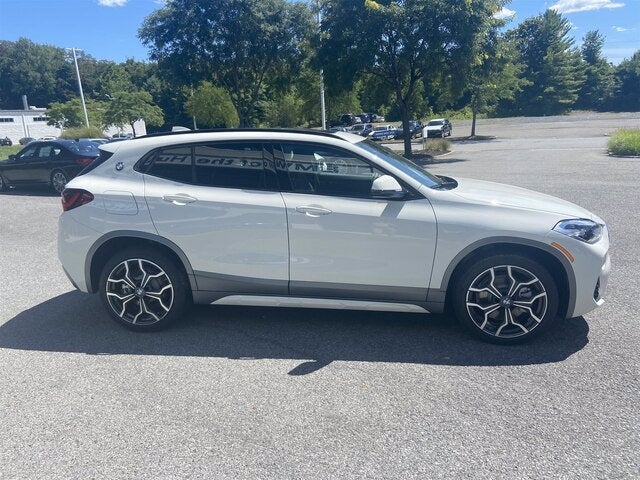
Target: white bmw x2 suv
{"points": [[312, 219]]}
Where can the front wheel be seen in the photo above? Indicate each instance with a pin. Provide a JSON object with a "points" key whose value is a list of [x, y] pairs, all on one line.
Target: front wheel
{"points": [[3, 184], [505, 298], [144, 290]]}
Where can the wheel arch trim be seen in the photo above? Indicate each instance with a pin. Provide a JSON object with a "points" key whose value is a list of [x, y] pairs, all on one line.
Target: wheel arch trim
{"points": [[135, 235], [438, 295]]}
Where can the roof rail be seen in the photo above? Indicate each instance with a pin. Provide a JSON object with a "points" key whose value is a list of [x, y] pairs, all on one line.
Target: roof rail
{"points": [[307, 131]]}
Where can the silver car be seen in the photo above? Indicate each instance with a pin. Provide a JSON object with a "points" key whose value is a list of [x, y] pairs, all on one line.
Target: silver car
{"points": [[314, 219]]}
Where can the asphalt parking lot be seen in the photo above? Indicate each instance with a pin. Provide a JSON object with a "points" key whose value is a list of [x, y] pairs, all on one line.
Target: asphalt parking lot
{"points": [[235, 392]]}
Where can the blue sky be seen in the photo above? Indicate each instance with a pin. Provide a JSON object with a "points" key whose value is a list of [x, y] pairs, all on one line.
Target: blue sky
{"points": [[107, 29]]}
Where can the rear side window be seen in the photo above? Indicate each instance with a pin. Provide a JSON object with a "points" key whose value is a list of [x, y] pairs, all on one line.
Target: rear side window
{"points": [[219, 164], [174, 163], [233, 165], [103, 157]]}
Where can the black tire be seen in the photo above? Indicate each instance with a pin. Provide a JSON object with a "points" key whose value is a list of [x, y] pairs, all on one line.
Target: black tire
{"points": [[505, 299], [58, 180], [144, 290], [3, 184]]}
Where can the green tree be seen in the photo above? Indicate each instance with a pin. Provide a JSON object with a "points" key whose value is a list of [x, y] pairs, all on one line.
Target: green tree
{"points": [[627, 93], [401, 43], [39, 71], [237, 43], [494, 77], [598, 86], [553, 68], [70, 115], [211, 106], [126, 108]]}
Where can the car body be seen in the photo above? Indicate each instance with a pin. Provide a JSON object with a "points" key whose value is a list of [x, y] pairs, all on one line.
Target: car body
{"points": [[314, 219], [349, 119], [26, 140], [382, 132], [47, 162], [362, 129], [415, 126], [121, 136], [438, 127]]}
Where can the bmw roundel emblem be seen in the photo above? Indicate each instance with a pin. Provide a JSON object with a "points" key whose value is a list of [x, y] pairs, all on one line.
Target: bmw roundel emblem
{"points": [[119, 166]]}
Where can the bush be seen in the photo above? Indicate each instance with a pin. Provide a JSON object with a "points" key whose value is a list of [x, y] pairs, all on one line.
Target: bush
{"points": [[438, 145], [625, 142], [82, 132]]}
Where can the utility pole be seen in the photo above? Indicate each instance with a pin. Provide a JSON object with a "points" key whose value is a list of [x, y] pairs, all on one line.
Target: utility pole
{"points": [[323, 112], [84, 105]]}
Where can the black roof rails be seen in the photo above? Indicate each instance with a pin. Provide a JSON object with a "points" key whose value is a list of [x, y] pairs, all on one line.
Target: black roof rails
{"points": [[307, 131]]}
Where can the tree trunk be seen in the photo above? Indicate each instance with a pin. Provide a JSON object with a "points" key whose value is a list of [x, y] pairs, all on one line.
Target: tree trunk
{"points": [[133, 129], [474, 111], [406, 131]]}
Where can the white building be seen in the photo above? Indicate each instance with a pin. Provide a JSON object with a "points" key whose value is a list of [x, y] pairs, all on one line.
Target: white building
{"points": [[17, 124]]}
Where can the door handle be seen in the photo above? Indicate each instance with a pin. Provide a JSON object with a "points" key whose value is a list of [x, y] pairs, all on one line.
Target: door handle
{"points": [[179, 199], [312, 211]]}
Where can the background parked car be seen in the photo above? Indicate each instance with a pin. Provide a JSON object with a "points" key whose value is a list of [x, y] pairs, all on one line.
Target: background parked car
{"points": [[438, 127], [415, 126], [383, 132], [349, 119], [51, 163], [362, 129]]}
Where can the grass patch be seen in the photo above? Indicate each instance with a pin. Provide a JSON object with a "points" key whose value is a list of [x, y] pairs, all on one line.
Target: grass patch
{"points": [[5, 151], [625, 142]]}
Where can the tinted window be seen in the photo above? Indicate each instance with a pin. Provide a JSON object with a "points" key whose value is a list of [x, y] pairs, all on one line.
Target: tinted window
{"points": [[172, 163], [28, 152], [317, 169], [234, 165]]}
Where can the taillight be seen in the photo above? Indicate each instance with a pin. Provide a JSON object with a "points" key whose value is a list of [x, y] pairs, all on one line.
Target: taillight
{"points": [[84, 161], [74, 197]]}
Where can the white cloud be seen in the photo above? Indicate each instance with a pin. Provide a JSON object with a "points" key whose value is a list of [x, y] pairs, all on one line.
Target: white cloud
{"points": [[572, 6], [504, 14], [621, 29], [112, 3]]}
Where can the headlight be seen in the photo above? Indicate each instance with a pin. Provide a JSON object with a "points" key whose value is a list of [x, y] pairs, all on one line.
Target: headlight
{"points": [[581, 229]]}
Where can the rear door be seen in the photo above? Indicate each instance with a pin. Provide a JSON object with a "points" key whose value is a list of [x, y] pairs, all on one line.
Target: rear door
{"points": [[218, 203]]}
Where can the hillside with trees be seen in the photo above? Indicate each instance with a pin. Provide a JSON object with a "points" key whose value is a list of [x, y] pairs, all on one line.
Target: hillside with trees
{"points": [[257, 63]]}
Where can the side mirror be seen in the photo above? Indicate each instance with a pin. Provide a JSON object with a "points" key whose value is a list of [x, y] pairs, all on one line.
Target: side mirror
{"points": [[12, 158], [386, 186]]}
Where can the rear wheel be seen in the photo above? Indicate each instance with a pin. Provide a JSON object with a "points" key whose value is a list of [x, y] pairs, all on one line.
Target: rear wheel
{"points": [[58, 180], [3, 184], [144, 290], [505, 298]]}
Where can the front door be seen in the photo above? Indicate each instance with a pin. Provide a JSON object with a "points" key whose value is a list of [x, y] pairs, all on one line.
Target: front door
{"points": [[343, 242]]}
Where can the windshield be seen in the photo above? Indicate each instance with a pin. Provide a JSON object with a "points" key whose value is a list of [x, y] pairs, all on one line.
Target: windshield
{"points": [[434, 123], [407, 166]]}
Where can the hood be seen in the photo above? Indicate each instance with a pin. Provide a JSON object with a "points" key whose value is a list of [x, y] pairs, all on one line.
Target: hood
{"points": [[498, 194]]}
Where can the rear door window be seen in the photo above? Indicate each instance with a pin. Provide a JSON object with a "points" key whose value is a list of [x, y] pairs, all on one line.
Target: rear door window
{"points": [[173, 163], [230, 165]]}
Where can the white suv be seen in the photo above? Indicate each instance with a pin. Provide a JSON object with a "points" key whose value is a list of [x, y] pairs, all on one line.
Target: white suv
{"points": [[312, 219]]}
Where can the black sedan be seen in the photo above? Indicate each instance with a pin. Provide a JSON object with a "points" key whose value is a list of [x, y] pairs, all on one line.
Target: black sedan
{"points": [[51, 163]]}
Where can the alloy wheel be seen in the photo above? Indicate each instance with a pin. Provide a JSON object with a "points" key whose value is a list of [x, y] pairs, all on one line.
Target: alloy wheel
{"points": [[506, 301], [58, 181], [139, 292]]}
